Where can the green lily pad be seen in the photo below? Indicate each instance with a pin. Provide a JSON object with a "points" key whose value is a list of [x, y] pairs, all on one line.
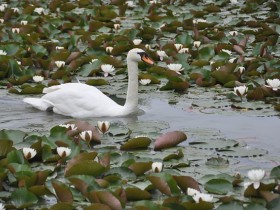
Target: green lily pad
{"points": [[218, 186], [22, 198], [14, 135], [136, 144], [85, 167]]}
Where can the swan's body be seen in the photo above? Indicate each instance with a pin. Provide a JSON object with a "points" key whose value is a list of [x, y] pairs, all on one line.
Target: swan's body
{"points": [[80, 100]]}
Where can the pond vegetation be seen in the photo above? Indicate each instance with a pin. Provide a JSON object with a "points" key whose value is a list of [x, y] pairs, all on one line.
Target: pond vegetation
{"points": [[225, 50]]}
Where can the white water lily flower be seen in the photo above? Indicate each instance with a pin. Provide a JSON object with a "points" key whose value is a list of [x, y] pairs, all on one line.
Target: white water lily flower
{"points": [[2, 52], [256, 176], [202, 196], [59, 64], [240, 90], [86, 135], [184, 50], [109, 49], [15, 9], [197, 44], [103, 126], [1, 20], [273, 83], [192, 192], [93, 61], [15, 30], [145, 81], [233, 33], [117, 26], [23, 22], [227, 51], [231, 60], [29, 153], [178, 47], [107, 69], [39, 10], [241, 69], [37, 78], [177, 67], [59, 48], [137, 41], [157, 167], [63, 151], [2, 207], [162, 54], [3, 7]]}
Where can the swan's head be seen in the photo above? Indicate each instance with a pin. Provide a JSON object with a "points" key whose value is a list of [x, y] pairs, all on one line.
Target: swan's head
{"points": [[138, 55]]}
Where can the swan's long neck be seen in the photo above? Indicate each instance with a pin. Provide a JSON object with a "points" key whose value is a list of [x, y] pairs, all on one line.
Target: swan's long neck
{"points": [[132, 90]]}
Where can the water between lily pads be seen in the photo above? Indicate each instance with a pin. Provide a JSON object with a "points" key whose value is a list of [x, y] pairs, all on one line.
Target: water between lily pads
{"points": [[258, 132]]}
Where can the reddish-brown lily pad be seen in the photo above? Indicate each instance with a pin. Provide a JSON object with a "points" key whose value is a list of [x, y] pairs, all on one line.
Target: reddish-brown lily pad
{"points": [[170, 139]]}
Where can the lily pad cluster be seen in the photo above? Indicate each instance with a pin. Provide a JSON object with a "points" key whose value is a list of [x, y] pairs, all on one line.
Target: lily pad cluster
{"points": [[120, 169], [196, 43]]}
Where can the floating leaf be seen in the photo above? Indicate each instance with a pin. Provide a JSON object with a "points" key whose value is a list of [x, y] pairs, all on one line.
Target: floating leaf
{"points": [[5, 147], [63, 193], [85, 167], [135, 194], [202, 205], [275, 172], [22, 198], [106, 198], [169, 139], [139, 168], [14, 135], [136, 143], [64, 206], [184, 182], [231, 206], [97, 206], [165, 183], [218, 186]]}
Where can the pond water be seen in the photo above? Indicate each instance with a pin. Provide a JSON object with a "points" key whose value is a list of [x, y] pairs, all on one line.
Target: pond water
{"points": [[259, 132]]}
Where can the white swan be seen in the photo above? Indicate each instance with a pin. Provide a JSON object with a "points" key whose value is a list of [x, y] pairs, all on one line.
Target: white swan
{"points": [[81, 101]]}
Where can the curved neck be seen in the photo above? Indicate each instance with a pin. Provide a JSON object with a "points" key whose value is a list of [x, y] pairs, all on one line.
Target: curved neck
{"points": [[132, 90]]}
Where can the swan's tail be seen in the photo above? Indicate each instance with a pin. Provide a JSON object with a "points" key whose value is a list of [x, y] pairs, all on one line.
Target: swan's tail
{"points": [[38, 103]]}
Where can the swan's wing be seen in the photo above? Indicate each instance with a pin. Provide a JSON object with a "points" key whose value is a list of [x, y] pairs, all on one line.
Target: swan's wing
{"points": [[80, 100]]}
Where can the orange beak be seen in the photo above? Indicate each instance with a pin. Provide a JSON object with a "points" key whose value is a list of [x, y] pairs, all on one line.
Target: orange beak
{"points": [[148, 60]]}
